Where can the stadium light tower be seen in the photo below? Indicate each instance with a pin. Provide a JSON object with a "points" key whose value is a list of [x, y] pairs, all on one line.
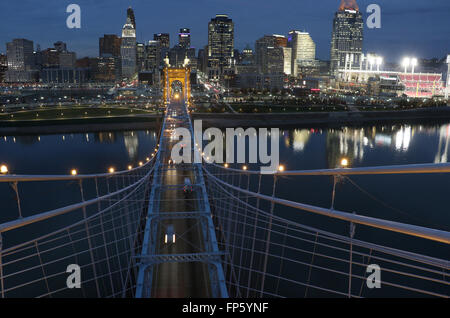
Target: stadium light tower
{"points": [[379, 61], [406, 63], [413, 64]]}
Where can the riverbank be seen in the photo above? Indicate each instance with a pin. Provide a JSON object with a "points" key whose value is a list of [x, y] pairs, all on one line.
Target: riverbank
{"points": [[322, 119], [80, 125]]}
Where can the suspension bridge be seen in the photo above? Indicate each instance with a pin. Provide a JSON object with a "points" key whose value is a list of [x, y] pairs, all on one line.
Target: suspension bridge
{"points": [[143, 233]]}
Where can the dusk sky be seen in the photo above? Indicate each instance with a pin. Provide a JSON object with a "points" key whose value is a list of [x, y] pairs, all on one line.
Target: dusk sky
{"points": [[409, 27]]}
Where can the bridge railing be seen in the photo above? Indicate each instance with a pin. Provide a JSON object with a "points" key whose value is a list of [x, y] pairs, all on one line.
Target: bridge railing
{"points": [[93, 222], [281, 248]]}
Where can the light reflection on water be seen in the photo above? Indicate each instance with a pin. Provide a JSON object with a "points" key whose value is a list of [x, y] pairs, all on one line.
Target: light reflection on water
{"points": [[88, 152], [400, 144]]}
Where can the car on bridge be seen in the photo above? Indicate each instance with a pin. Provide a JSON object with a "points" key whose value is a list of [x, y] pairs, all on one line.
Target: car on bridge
{"points": [[187, 189], [170, 238]]}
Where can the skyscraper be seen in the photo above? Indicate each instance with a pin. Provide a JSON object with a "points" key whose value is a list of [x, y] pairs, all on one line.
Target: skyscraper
{"points": [[347, 37], [184, 38], [303, 50], [163, 38], [140, 57], [21, 61], [270, 54], [152, 55], [130, 15], [20, 55], [220, 45], [261, 46], [128, 50]]}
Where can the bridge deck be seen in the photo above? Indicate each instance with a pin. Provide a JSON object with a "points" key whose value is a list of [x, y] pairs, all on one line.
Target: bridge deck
{"points": [[189, 276]]}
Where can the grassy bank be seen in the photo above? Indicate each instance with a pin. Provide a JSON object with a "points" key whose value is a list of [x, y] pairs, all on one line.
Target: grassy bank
{"points": [[70, 113]]}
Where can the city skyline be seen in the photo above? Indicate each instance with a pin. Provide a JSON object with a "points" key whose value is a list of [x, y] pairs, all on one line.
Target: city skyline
{"points": [[397, 37]]}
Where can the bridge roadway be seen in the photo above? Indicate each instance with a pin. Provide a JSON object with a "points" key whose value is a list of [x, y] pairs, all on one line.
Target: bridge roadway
{"points": [[177, 279]]}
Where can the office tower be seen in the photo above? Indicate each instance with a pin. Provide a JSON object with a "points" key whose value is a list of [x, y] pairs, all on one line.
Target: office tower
{"points": [[105, 69], [303, 50], [220, 45], [3, 67], [347, 37], [261, 46], [20, 55], [270, 54], [163, 38], [184, 38], [130, 15], [202, 59], [128, 50], [273, 60], [21, 61], [247, 55], [287, 63], [152, 55], [140, 57], [109, 45]]}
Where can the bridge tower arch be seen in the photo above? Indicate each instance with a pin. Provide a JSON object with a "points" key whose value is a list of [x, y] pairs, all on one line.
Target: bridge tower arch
{"points": [[177, 74]]}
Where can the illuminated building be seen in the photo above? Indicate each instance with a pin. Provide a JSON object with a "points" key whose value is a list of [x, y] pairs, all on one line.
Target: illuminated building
{"points": [[3, 66], [140, 57], [152, 55], [347, 37], [163, 38], [247, 55], [20, 55], [271, 53], [21, 61], [303, 50], [184, 38], [128, 50], [130, 15], [105, 69], [220, 45]]}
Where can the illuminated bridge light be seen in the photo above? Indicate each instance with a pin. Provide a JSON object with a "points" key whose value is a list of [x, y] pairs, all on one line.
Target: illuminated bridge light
{"points": [[3, 169], [74, 172], [344, 162], [130, 167], [281, 168], [111, 170]]}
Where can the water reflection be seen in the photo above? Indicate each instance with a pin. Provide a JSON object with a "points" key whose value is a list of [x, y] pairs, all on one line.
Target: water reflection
{"points": [[131, 142], [354, 143], [90, 152], [442, 151]]}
